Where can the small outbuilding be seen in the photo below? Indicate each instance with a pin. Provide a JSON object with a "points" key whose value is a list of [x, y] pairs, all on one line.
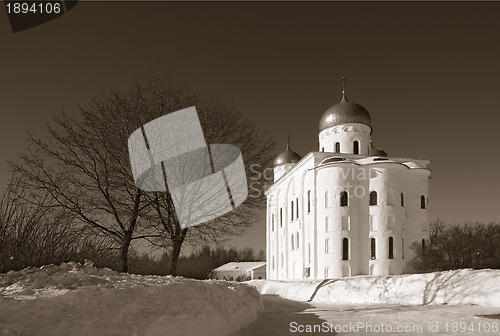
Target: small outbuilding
{"points": [[240, 271]]}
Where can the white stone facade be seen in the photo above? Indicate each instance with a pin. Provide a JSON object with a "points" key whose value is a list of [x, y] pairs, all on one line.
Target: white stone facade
{"points": [[322, 221]]}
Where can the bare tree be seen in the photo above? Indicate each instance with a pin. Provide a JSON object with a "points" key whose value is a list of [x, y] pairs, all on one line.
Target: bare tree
{"points": [[84, 166], [456, 246], [222, 123], [35, 234]]}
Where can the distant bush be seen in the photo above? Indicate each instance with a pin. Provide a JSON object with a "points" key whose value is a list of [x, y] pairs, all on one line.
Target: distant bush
{"points": [[455, 246], [197, 265]]}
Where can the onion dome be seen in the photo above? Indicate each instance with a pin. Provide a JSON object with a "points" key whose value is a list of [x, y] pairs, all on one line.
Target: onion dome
{"points": [[345, 112], [287, 156]]}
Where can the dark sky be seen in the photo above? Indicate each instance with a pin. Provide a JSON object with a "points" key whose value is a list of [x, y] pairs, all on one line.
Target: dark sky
{"points": [[427, 72]]}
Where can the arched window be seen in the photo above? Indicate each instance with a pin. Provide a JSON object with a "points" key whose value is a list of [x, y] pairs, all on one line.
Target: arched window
{"points": [[327, 246], [293, 247], [345, 249], [373, 249], [272, 222], [327, 272], [291, 213], [402, 248], [402, 200], [346, 223], [322, 149], [308, 201], [344, 198], [373, 198], [422, 202], [337, 147], [326, 199], [327, 225], [391, 248], [390, 197], [297, 207], [373, 223], [281, 217], [391, 222], [356, 147], [297, 238], [282, 260], [273, 263]]}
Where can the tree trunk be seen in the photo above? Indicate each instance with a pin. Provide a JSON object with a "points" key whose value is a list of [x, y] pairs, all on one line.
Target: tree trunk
{"points": [[176, 250], [124, 252]]}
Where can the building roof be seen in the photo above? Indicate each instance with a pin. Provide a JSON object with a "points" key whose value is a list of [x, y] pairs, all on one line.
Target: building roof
{"points": [[287, 156], [241, 266], [343, 113]]}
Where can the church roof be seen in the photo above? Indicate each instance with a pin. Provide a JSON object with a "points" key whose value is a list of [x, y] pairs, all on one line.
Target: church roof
{"points": [[343, 113], [287, 156]]}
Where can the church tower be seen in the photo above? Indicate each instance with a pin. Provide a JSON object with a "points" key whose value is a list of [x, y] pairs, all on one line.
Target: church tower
{"points": [[284, 161]]}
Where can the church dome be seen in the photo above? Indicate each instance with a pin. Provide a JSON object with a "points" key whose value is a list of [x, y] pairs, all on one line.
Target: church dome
{"points": [[343, 113], [287, 156]]}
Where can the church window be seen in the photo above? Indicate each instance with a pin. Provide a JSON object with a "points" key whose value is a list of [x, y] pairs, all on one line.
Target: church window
{"points": [[373, 223], [272, 222], [282, 260], [346, 223], [328, 248], [345, 249], [373, 198], [291, 212], [308, 201], [344, 198], [373, 249], [327, 225], [402, 200], [327, 272], [422, 202], [293, 248], [391, 248], [297, 242], [356, 147], [390, 197], [281, 217], [337, 147], [297, 207], [326, 199], [391, 222]]}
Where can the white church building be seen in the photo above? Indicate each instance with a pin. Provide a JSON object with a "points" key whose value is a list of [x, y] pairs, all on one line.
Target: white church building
{"points": [[347, 209]]}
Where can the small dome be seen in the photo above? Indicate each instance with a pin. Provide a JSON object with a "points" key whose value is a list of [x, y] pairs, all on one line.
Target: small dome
{"points": [[287, 156], [343, 113]]}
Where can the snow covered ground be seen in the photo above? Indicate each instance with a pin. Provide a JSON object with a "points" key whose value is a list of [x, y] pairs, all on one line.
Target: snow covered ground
{"points": [[74, 299], [465, 286]]}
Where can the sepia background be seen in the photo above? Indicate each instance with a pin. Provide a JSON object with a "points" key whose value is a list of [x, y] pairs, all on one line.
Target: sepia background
{"points": [[428, 73]]}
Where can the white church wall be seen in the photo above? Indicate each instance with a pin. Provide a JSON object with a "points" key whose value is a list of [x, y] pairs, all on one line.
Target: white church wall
{"points": [[417, 223], [337, 178], [387, 180]]}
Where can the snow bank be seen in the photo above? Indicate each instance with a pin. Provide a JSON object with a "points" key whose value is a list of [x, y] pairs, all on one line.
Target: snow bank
{"points": [[465, 286], [74, 299]]}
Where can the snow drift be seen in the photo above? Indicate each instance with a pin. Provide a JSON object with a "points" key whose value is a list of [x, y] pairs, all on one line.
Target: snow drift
{"points": [[465, 286], [74, 299]]}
